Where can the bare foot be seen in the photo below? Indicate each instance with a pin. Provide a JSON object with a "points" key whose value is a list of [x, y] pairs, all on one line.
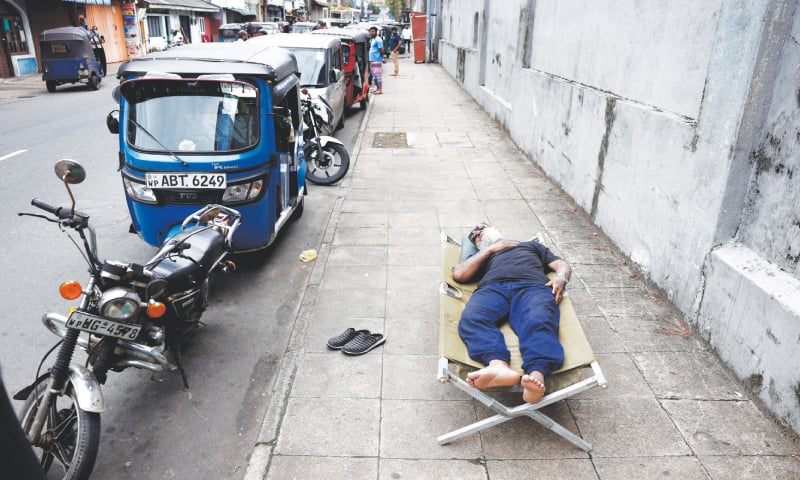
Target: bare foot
{"points": [[533, 387], [377, 92], [497, 374]]}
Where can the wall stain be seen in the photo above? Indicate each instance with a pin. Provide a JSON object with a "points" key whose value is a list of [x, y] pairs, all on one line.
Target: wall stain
{"points": [[611, 102], [754, 382]]}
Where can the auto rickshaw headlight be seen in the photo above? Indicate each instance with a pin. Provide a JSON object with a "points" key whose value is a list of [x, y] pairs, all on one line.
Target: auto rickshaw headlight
{"points": [[138, 191], [243, 192]]}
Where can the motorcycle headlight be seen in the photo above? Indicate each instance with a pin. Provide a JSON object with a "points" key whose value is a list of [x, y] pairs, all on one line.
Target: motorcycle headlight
{"points": [[138, 191], [119, 304], [243, 192]]}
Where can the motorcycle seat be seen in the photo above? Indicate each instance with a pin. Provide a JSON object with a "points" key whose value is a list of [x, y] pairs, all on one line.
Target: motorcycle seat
{"points": [[206, 247]]}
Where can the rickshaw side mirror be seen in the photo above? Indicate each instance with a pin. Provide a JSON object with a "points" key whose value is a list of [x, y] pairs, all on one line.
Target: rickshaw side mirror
{"points": [[336, 75], [112, 121]]}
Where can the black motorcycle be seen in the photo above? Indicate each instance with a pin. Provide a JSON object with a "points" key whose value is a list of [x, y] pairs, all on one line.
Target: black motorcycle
{"points": [[326, 158], [129, 315]]}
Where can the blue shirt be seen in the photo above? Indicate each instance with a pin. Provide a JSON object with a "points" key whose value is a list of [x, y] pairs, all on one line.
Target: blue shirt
{"points": [[395, 40], [525, 262], [375, 46]]}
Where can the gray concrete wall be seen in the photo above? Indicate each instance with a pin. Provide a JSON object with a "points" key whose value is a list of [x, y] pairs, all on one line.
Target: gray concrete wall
{"points": [[671, 123]]}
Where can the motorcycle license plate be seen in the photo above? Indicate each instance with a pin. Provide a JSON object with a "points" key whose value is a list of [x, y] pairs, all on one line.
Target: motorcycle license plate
{"points": [[185, 180], [102, 326]]}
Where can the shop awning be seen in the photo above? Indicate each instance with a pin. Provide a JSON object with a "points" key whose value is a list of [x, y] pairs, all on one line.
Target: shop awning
{"points": [[240, 11], [191, 5], [92, 2], [321, 3]]}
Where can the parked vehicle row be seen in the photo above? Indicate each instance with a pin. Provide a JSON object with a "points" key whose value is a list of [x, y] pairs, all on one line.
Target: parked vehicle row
{"points": [[216, 142]]}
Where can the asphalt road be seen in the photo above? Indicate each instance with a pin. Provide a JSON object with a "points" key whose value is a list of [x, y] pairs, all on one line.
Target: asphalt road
{"points": [[151, 429]]}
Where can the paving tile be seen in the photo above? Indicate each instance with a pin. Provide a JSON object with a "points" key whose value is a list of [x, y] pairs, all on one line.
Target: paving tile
{"points": [[410, 255], [412, 335], [523, 438], [589, 254], [357, 255], [601, 337], [414, 277], [361, 236], [749, 467], [284, 467], [727, 428], [683, 468], [416, 237], [582, 302], [562, 469], [410, 377], [606, 276], [324, 427], [624, 379], [627, 427], [619, 302], [354, 276], [646, 334], [416, 303], [394, 469], [366, 206], [688, 376], [334, 374], [363, 220], [361, 302], [427, 420], [414, 220]]}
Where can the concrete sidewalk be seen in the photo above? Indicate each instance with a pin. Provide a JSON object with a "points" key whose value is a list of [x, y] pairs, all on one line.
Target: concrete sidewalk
{"points": [[671, 408]]}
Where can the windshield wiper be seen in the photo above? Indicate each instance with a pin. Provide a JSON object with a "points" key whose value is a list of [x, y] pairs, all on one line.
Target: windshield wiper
{"points": [[173, 154]]}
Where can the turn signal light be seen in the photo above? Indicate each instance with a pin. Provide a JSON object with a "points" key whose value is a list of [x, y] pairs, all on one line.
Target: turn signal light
{"points": [[156, 310], [70, 290]]}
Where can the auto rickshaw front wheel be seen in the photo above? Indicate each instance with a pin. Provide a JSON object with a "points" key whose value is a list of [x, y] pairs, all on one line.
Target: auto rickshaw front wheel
{"points": [[51, 85], [94, 82]]}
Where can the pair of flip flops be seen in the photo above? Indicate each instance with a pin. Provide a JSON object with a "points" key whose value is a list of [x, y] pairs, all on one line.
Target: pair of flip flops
{"points": [[356, 342]]}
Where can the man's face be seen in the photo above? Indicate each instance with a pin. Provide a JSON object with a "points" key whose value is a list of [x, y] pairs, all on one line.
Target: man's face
{"points": [[484, 235], [373, 32]]}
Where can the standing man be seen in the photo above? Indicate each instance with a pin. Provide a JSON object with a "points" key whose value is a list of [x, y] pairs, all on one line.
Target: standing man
{"points": [[376, 59], [407, 39], [395, 42]]}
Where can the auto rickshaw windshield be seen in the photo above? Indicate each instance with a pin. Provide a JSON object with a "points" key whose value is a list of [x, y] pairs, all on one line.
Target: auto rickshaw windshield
{"points": [[191, 116]]}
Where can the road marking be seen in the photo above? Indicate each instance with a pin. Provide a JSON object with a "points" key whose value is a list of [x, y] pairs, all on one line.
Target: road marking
{"points": [[12, 155]]}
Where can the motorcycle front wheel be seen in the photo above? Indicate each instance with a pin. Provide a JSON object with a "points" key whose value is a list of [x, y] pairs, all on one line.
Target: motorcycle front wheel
{"points": [[328, 169], [71, 436]]}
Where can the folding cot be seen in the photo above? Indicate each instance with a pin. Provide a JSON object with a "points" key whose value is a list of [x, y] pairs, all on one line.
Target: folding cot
{"points": [[579, 372]]}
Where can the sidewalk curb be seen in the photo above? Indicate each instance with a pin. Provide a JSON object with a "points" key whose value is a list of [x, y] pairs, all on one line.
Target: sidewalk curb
{"points": [[259, 462]]}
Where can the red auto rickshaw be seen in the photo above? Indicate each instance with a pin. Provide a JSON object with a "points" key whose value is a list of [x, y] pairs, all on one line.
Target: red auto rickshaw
{"points": [[355, 50]]}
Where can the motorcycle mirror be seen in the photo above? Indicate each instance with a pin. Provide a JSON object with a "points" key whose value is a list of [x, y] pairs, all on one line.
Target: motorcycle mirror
{"points": [[70, 171], [115, 94], [112, 122]]}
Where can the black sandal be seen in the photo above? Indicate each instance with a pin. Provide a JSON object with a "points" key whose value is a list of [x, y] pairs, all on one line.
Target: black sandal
{"points": [[341, 340], [363, 343]]}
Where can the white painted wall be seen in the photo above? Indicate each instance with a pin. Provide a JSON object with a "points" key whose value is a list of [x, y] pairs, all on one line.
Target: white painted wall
{"points": [[650, 115]]}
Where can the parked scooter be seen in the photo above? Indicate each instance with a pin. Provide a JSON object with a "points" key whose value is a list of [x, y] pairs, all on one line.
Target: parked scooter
{"points": [[133, 316], [326, 158]]}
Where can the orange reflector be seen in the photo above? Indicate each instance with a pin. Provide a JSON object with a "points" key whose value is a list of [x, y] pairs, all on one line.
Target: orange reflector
{"points": [[70, 290], [156, 310]]}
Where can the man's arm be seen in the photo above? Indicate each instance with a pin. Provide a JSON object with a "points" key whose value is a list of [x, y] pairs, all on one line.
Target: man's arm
{"points": [[464, 272], [563, 273]]}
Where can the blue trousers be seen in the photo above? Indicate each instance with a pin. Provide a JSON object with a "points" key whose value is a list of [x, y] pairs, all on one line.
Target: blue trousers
{"points": [[533, 314]]}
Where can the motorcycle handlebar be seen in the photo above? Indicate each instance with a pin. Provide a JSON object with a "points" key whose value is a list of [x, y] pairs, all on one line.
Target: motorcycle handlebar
{"points": [[59, 212]]}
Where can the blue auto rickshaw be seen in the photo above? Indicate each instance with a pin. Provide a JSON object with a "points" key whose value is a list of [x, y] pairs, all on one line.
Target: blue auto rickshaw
{"points": [[212, 123], [72, 55]]}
